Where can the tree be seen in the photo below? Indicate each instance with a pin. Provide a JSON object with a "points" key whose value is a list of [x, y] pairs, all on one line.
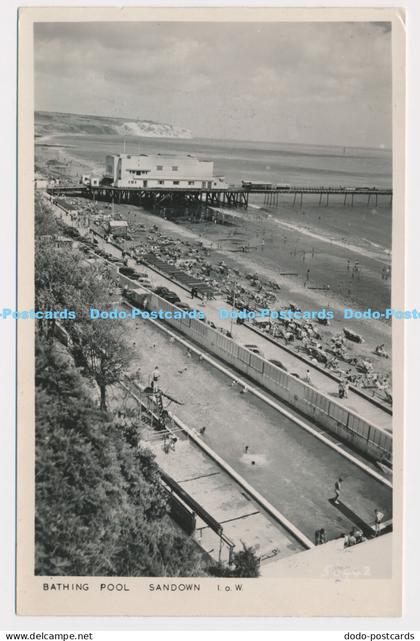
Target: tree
{"points": [[46, 223], [245, 564], [100, 507], [103, 351], [64, 279]]}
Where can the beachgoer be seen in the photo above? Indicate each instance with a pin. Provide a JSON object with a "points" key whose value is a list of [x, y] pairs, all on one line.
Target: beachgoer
{"points": [[379, 516], [246, 449], [307, 377], [320, 536], [155, 378], [337, 490], [166, 444], [358, 534], [351, 540], [379, 349]]}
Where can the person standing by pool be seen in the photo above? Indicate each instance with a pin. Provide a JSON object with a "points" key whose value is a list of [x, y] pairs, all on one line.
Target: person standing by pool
{"points": [[320, 536], [337, 490], [155, 378], [378, 520], [307, 377]]}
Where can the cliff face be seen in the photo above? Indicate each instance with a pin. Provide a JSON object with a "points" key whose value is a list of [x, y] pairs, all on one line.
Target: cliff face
{"points": [[152, 129], [55, 123]]}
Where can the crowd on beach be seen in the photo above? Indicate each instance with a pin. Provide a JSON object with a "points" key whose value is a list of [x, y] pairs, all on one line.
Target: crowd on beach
{"points": [[250, 291]]}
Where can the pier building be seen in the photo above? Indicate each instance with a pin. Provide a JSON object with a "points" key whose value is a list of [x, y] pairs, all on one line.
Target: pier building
{"points": [[174, 171]]}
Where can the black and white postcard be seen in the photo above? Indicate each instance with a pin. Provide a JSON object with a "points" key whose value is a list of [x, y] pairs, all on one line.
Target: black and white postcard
{"points": [[210, 311]]}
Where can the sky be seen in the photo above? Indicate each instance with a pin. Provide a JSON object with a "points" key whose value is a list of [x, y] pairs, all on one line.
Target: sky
{"points": [[306, 83]]}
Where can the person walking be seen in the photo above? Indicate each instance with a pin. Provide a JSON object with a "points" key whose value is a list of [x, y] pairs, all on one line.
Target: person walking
{"points": [[337, 490]]}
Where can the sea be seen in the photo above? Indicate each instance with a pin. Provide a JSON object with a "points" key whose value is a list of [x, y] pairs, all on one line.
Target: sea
{"points": [[236, 160]]}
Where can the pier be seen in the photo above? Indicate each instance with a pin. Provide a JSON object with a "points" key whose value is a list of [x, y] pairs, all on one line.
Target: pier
{"points": [[157, 197], [350, 195], [232, 197]]}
